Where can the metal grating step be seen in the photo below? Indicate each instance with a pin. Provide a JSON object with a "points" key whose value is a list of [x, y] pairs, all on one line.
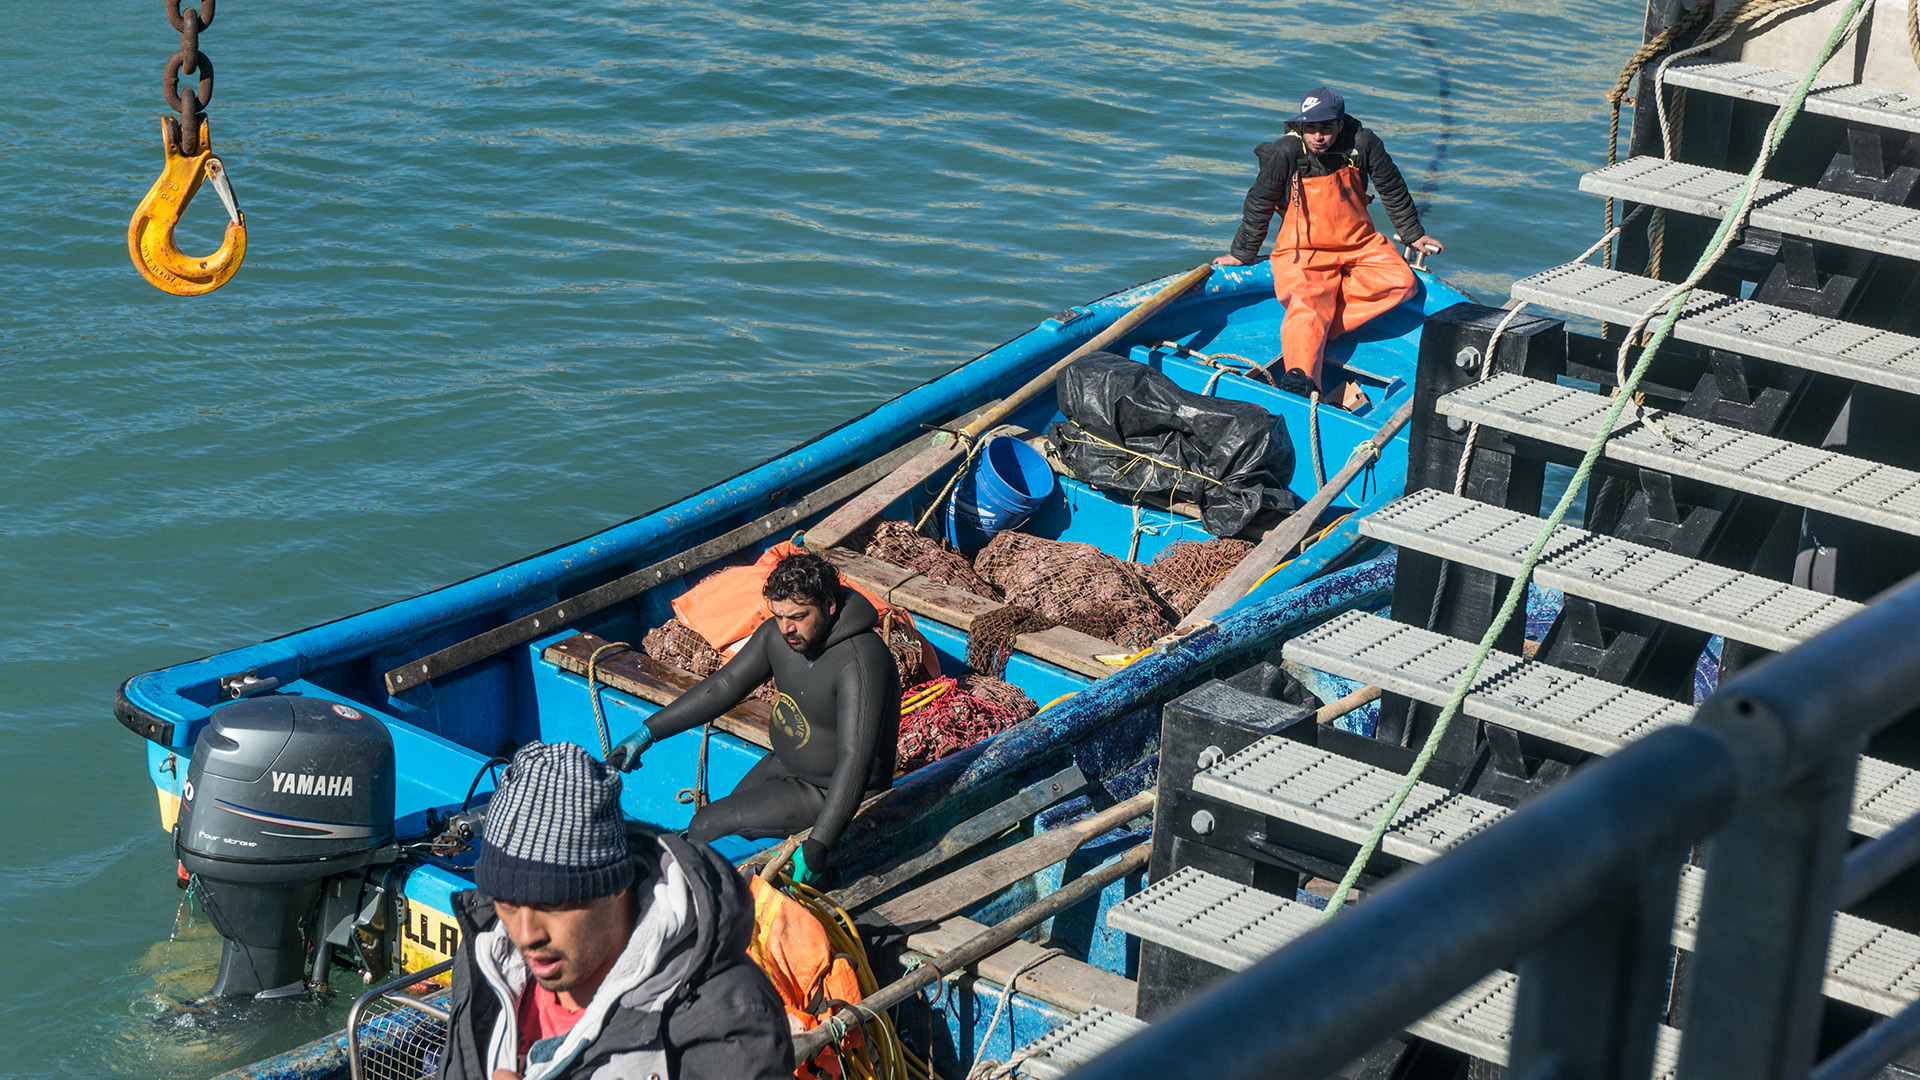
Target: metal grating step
{"points": [[1744, 607], [1076, 1042], [1235, 925], [1869, 965], [1771, 468], [1817, 215], [1573, 710], [1844, 101], [1717, 321], [1341, 797], [1559, 706]]}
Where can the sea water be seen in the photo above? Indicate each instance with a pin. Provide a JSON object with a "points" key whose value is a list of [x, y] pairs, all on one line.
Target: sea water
{"points": [[517, 271]]}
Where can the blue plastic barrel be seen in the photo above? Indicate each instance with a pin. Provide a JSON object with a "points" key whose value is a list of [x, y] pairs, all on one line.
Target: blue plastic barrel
{"points": [[1008, 482]]}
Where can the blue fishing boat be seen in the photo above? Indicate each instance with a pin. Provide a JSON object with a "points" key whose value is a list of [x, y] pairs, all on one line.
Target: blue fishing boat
{"points": [[457, 677]]}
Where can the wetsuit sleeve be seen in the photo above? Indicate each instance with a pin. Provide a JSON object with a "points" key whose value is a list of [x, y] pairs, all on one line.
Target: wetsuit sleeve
{"points": [[1267, 197], [1391, 186], [862, 698], [719, 691]]}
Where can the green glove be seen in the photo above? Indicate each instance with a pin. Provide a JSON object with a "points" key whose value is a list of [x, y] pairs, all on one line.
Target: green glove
{"points": [[625, 754], [809, 862]]}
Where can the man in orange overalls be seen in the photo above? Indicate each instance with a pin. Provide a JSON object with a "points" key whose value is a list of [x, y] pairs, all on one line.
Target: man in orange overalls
{"points": [[1331, 268]]}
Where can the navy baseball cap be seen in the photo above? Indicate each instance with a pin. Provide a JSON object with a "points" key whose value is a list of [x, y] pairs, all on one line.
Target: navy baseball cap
{"points": [[1321, 103]]}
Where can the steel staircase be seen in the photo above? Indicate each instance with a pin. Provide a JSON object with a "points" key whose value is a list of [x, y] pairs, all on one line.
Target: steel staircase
{"points": [[1693, 522]]}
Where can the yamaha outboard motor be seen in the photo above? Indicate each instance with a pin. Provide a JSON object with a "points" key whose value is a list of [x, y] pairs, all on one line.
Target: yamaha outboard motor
{"points": [[284, 792]]}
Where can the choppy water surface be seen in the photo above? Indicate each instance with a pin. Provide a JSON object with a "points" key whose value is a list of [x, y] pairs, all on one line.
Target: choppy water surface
{"points": [[518, 271]]}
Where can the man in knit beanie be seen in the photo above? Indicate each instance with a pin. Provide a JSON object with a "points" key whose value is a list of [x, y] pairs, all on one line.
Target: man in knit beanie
{"points": [[596, 947]]}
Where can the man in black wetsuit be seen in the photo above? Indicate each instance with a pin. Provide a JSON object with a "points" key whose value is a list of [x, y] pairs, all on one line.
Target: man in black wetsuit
{"points": [[836, 722]]}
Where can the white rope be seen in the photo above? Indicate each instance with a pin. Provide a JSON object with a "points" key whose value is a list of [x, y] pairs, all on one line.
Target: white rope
{"points": [[1660, 72], [1486, 369], [1727, 236], [991, 1069], [1313, 440]]}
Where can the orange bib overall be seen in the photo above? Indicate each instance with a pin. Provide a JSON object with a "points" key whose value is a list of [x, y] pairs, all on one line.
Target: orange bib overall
{"points": [[1331, 268]]}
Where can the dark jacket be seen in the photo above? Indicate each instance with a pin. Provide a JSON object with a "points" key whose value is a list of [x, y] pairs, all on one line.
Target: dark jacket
{"points": [[836, 723], [1287, 157], [705, 1012]]}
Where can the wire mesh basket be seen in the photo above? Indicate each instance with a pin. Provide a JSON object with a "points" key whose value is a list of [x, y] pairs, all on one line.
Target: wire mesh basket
{"points": [[392, 1035]]}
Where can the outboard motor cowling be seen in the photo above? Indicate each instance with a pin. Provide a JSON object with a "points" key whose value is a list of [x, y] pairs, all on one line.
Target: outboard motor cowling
{"points": [[283, 793]]}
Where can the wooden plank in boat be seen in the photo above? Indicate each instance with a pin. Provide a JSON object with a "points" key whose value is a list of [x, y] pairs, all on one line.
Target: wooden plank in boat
{"points": [[921, 595], [1058, 980], [634, 672]]}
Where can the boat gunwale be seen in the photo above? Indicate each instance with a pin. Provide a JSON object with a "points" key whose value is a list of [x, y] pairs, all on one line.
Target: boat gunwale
{"points": [[164, 698]]}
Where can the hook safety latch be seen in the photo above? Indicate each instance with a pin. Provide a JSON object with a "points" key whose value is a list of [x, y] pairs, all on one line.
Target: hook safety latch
{"points": [[150, 233]]}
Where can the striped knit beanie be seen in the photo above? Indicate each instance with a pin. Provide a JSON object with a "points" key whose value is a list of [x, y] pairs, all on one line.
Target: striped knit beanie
{"points": [[554, 832]]}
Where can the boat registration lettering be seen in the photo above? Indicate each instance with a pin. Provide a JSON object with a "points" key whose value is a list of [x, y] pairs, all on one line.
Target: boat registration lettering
{"points": [[429, 936]]}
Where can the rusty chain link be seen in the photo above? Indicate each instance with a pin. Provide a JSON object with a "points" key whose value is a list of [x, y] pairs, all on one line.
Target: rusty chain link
{"points": [[189, 60]]}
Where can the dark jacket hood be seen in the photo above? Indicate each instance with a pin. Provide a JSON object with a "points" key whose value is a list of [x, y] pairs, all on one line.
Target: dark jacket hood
{"points": [[857, 616]]}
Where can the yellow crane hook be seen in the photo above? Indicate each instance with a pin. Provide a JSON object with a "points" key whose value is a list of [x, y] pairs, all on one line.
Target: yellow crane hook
{"points": [[150, 233]]}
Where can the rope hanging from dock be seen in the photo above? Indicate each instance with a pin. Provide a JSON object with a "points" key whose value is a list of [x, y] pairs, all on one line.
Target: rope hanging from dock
{"points": [[1486, 370], [1673, 302], [1718, 31]]}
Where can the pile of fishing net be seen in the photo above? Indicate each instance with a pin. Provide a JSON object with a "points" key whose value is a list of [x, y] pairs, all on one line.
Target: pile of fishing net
{"points": [[899, 543], [1183, 574], [1073, 585], [678, 644], [945, 715], [1047, 583]]}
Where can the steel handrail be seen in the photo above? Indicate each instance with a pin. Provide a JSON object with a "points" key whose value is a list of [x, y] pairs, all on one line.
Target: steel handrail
{"points": [[355, 1068], [1578, 887], [1431, 933]]}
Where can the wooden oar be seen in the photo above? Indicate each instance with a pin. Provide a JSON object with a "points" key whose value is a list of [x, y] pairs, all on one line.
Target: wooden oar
{"points": [[977, 948], [1284, 537], [870, 504], [1334, 710], [964, 837]]}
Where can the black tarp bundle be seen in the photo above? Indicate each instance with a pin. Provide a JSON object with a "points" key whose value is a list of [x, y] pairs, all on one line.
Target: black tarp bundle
{"points": [[1130, 431]]}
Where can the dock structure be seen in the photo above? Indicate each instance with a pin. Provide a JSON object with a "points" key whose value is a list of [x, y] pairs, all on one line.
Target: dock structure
{"points": [[1599, 876]]}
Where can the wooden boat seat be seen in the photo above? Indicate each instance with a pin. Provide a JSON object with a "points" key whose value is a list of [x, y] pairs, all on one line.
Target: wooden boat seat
{"points": [[634, 672]]}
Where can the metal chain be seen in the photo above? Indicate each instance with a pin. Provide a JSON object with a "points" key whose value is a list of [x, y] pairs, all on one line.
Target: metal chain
{"points": [[189, 60]]}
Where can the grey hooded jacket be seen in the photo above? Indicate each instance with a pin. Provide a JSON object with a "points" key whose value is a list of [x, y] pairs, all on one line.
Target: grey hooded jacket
{"points": [[683, 1002]]}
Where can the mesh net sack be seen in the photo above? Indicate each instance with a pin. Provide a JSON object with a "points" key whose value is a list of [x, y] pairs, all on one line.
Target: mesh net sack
{"points": [[897, 542], [1061, 579], [906, 647], [674, 642], [990, 640], [1183, 574], [1004, 694], [947, 717]]}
